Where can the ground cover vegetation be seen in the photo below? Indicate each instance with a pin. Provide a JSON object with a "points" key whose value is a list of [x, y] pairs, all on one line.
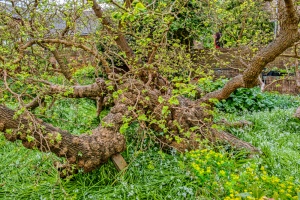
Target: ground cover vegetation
{"points": [[153, 173], [136, 94]]}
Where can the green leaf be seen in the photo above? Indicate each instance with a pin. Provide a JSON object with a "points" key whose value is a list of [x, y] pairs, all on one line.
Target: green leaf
{"points": [[142, 117], [30, 138], [123, 128], [173, 100], [160, 99], [140, 6], [165, 110]]}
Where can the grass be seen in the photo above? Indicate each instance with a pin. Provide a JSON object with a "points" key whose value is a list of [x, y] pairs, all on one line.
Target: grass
{"points": [[27, 174], [277, 134], [152, 174], [74, 115]]}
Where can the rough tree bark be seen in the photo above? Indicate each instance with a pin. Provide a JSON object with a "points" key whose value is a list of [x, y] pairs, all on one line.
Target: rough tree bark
{"points": [[184, 120], [84, 151]]}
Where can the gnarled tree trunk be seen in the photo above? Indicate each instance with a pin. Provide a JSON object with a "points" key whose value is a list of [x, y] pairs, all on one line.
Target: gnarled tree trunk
{"points": [[84, 151]]}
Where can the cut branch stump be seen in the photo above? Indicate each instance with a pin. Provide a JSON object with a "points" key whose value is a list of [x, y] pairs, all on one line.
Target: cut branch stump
{"points": [[119, 161]]}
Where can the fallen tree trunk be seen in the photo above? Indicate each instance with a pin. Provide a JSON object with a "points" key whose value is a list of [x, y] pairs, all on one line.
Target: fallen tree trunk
{"points": [[182, 123], [85, 151]]}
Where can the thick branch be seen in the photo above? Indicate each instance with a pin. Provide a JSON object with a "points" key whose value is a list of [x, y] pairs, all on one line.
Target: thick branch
{"points": [[291, 11], [120, 39], [64, 68], [61, 63], [225, 92], [36, 102], [268, 54], [96, 89], [85, 151]]}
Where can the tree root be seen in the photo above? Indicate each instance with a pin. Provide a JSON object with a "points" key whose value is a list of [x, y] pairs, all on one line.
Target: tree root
{"points": [[223, 136], [238, 124]]}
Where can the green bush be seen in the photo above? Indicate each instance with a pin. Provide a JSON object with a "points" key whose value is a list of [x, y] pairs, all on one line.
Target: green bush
{"points": [[253, 99]]}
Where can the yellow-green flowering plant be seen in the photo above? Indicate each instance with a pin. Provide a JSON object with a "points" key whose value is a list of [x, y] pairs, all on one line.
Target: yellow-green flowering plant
{"points": [[228, 177]]}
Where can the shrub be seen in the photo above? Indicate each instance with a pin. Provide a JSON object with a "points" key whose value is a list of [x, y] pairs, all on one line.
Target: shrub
{"points": [[253, 99]]}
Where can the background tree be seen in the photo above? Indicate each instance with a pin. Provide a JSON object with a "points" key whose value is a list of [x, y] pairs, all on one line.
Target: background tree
{"points": [[147, 91]]}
